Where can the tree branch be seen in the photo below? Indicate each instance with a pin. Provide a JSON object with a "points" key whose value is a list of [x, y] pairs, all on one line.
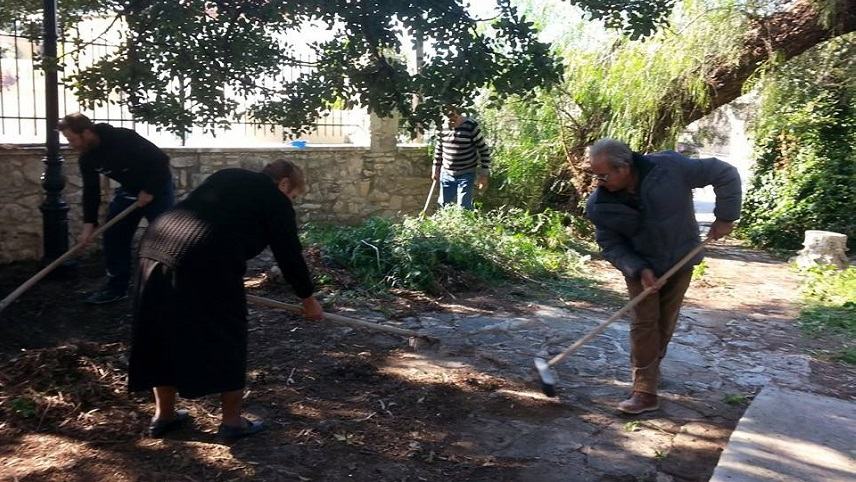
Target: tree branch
{"points": [[786, 34]]}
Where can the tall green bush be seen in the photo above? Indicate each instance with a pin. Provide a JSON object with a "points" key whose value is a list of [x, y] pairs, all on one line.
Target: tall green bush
{"points": [[527, 154], [805, 171]]}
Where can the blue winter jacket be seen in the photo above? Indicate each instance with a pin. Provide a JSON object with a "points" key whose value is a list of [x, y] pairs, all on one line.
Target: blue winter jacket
{"points": [[661, 227]]}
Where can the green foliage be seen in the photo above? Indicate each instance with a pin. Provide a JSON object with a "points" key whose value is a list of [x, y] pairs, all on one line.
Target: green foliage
{"points": [[452, 249], [526, 155], [632, 90], [632, 426], [805, 172], [847, 355], [638, 90], [637, 18], [735, 399], [699, 270], [829, 307], [23, 407], [829, 295], [187, 63]]}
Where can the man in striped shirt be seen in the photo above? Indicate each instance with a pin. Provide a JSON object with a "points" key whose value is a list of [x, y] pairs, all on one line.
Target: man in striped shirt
{"points": [[461, 159]]}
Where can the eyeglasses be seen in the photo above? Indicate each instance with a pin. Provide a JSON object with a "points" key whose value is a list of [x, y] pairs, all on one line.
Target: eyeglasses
{"points": [[600, 177]]}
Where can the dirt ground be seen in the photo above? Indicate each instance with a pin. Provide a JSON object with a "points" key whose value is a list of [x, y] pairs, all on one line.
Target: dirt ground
{"points": [[344, 404]]}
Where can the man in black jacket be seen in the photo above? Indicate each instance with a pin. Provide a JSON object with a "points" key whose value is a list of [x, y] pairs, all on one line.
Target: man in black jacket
{"points": [[142, 171]]}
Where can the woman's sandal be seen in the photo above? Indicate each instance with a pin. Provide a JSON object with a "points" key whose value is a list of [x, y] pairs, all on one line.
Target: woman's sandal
{"points": [[158, 428], [248, 427]]}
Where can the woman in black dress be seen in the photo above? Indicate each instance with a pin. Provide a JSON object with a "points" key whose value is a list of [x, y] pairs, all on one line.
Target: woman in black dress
{"points": [[190, 325]]}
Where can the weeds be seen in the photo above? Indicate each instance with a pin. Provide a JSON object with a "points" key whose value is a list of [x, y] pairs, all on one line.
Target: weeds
{"points": [[829, 295], [847, 355], [632, 426], [829, 307], [735, 399], [455, 249], [699, 270], [23, 407]]}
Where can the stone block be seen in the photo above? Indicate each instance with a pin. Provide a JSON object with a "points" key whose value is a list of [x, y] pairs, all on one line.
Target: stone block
{"points": [[823, 247], [383, 132], [13, 179], [73, 181], [33, 173], [197, 179], [378, 196], [183, 161], [364, 188]]}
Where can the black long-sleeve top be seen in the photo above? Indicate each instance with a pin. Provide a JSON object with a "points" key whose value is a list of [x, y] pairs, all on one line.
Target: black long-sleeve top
{"points": [[126, 157], [228, 219]]}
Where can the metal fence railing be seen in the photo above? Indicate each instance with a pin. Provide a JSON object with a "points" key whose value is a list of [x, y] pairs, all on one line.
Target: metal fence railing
{"points": [[22, 109]]}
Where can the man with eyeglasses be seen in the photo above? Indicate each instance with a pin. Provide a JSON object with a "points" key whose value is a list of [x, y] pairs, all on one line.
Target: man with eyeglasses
{"points": [[644, 223]]}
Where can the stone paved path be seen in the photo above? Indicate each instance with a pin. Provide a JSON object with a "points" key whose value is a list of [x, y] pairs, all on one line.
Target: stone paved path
{"points": [[736, 334]]}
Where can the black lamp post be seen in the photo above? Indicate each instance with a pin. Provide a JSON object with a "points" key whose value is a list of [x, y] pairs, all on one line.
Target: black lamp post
{"points": [[54, 208]]}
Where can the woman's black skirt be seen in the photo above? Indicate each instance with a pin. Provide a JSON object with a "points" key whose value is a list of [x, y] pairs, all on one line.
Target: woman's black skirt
{"points": [[190, 329]]}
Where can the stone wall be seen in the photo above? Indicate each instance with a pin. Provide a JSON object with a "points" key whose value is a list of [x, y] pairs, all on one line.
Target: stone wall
{"points": [[346, 184]]}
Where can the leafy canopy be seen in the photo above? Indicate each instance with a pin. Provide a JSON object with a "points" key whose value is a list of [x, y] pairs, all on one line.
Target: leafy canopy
{"points": [[194, 62], [612, 87]]}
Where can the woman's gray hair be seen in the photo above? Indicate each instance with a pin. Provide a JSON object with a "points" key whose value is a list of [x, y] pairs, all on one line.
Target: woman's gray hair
{"points": [[616, 152]]}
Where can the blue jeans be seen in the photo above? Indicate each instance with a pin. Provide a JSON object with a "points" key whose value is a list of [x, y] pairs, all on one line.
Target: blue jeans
{"points": [[457, 189], [117, 240]]}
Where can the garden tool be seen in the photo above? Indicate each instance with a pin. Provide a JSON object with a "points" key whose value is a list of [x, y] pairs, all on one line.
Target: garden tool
{"points": [[544, 367], [68, 254], [416, 339], [430, 195]]}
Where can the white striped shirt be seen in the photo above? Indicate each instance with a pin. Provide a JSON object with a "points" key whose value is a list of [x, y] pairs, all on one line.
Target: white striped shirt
{"points": [[462, 149]]}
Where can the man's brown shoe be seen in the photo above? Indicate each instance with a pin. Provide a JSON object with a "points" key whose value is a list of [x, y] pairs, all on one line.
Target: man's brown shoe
{"points": [[639, 402]]}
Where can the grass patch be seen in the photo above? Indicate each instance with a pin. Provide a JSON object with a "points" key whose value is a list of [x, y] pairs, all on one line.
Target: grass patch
{"points": [[23, 407], [455, 250], [699, 270], [735, 399], [847, 355], [829, 307], [633, 426], [829, 297]]}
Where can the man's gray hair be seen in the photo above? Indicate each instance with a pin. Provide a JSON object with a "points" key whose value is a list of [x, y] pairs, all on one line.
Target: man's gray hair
{"points": [[616, 152]]}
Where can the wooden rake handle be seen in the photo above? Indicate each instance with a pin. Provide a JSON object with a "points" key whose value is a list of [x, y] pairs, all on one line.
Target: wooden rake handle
{"points": [[430, 195], [258, 300], [629, 306], [68, 254]]}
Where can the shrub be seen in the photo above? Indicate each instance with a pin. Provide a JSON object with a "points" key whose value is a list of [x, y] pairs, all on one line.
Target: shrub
{"points": [[454, 248], [829, 295], [805, 173]]}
